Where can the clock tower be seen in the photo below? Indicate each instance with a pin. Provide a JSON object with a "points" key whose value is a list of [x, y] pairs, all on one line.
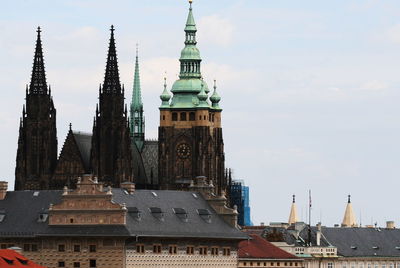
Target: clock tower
{"points": [[190, 133]]}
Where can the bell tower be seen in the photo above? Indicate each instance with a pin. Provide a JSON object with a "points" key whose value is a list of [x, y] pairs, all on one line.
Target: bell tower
{"points": [[37, 141], [190, 133]]}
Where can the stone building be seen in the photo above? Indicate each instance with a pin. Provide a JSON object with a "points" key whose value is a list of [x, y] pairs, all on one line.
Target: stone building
{"points": [[98, 226], [190, 139]]}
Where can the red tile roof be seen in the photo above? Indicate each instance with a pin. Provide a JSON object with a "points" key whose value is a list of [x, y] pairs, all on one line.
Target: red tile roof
{"points": [[258, 247], [12, 259]]}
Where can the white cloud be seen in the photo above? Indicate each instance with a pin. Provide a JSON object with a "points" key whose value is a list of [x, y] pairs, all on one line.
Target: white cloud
{"points": [[374, 85], [215, 30]]}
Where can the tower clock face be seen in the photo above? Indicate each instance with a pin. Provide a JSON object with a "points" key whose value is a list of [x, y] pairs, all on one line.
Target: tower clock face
{"points": [[183, 150]]}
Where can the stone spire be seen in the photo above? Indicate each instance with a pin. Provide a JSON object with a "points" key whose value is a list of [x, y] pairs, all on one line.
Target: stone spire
{"points": [[349, 219], [38, 83], [293, 212], [111, 78], [136, 109]]}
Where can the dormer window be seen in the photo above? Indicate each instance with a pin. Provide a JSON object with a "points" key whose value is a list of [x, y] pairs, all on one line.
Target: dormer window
{"points": [[205, 214], [43, 217], [157, 213], [181, 214], [2, 215]]}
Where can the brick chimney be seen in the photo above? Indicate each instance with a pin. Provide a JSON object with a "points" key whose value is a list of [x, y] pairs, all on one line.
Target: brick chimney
{"points": [[128, 186], [3, 189], [390, 225]]}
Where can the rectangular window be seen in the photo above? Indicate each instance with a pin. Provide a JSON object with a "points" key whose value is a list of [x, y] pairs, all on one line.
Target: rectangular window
{"points": [[27, 247], [192, 116], [77, 248], [92, 248], [172, 249], [214, 251], [203, 251], [190, 250], [92, 264], [77, 264], [61, 248], [3, 246], [384, 265], [330, 264], [140, 248], [34, 247], [61, 264], [174, 117], [226, 251], [157, 248]]}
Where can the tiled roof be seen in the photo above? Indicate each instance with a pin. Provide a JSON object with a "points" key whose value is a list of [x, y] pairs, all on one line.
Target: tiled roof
{"points": [[22, 210], [12, 259], [258, 247]]}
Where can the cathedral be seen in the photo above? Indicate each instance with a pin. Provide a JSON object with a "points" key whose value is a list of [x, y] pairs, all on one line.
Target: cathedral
{"points": [[190, 143]]}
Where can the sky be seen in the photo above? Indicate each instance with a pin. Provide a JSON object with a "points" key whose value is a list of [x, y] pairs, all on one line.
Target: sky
{"points": [[310, 89]]}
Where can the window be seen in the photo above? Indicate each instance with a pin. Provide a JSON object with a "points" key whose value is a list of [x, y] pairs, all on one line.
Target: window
{"points": [[163, 117], [192, 116], [61, 248], [34, 247], [190, 250], [77, 264], [61, 264], [92, 263], [77, 248], [27, 247], [174, 117], [214, 251], [157, 248], [330, 264], [203, 251], [183, 116], [227, 252], [140, 248], [384, 265], [92, 248], [172, 249]]}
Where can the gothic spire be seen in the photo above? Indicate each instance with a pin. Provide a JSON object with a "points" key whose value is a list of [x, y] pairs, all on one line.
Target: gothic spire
{"points": [[137, 103], [38, 80], [111, 78]]}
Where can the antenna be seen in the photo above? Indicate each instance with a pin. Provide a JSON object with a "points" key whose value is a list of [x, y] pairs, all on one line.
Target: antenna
{"points": [[309, 218]]}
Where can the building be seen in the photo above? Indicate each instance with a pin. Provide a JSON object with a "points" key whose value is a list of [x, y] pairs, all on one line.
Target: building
{"points": [[240, 197], [190, 142], [99, 226], [11, 259], [257, 252], [37, 141]]}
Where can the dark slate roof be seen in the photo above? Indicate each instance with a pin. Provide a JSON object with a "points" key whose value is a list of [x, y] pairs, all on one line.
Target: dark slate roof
{"points": [[84, 142], [150, 160], [22, 209], [297, 237], [363, 241], [139, 173]]}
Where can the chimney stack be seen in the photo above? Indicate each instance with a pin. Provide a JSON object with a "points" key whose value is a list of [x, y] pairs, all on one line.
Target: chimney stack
{"points": [[390, 225], [3, 189], [319, 231]]}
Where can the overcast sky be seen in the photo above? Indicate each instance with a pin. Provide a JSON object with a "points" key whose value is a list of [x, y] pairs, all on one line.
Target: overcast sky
{"points": [[310, 89]]}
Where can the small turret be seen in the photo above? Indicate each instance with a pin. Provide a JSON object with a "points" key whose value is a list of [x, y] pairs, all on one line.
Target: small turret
{"points": [[165, 96], [293, 212], [202, 96], [215, 98], [349, 219]]}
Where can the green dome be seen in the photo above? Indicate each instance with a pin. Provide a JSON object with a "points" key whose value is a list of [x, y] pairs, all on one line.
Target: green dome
{"points": [[215, 98], [190, 52], [189, 85]]}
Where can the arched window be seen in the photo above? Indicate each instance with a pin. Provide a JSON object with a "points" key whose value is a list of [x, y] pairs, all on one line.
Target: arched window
{"points": [[192, 116], [183, 116], [174, 117]]}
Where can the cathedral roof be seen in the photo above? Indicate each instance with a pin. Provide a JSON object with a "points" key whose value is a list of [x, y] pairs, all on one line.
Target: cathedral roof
{"points": [[150, 213], [84, 143]]}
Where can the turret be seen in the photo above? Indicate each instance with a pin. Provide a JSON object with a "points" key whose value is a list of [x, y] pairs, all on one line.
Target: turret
{"points": [[293, 212], [349, 219]]}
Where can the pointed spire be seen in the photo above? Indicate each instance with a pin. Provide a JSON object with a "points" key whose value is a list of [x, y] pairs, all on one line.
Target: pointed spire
{"points": [[202, 96], [136, 104], [349, 219], [38, 79], [293, 212], [111, 78], [190, 24]]}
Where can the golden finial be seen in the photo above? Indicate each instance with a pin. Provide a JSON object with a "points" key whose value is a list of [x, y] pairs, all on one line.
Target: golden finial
{"points": [[190, 2]]}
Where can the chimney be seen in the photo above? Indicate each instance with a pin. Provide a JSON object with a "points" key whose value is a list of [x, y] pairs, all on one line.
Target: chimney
{"points": [[390, 225], [3, 189], [128, 186], [319, 231]]}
